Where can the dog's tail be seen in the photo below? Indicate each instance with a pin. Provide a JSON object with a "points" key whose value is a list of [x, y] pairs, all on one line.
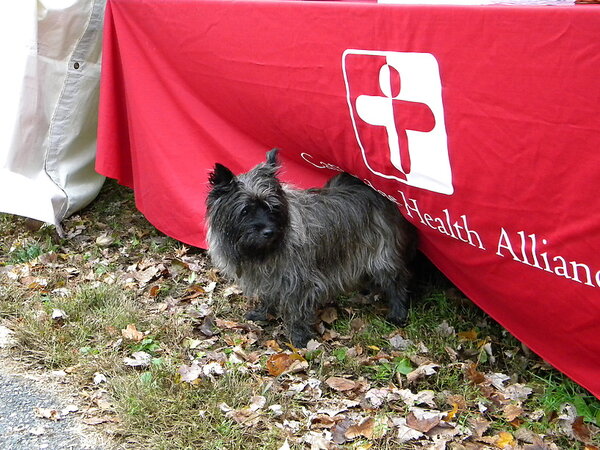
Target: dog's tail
{"points": [[344, 179]]}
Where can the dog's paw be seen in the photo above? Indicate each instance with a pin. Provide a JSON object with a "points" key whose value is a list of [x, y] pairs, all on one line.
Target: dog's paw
{"points": [[257, 315], [399, 321], [300, 339]]}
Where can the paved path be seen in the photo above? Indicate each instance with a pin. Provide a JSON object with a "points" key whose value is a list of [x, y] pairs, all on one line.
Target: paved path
{"points": [[21, 429]]}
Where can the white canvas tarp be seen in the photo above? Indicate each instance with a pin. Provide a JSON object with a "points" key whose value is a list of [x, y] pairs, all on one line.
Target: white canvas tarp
{"points": [[50, 52]]}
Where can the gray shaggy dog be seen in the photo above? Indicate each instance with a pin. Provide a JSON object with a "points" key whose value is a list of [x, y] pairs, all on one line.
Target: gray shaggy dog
{"points": [[298, 249]]}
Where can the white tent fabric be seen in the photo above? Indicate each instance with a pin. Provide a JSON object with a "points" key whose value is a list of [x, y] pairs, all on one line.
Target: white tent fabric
{"points": [[48, 114]]}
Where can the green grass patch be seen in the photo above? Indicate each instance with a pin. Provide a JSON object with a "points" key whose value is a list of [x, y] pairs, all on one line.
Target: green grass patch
{"points": [[557, 390], [160, 412]]}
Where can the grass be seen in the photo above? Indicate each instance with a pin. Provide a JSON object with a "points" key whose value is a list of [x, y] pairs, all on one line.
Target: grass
{"points": [[90, 287], [559, 390], [93, 317], [161, 413]]}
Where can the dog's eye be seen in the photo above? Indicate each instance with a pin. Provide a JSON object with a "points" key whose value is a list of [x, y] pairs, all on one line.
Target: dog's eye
{"points": [[245, 211]]}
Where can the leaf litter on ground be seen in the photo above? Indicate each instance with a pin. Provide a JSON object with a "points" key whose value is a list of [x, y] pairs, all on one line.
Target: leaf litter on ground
{"points": [[453, 379]]}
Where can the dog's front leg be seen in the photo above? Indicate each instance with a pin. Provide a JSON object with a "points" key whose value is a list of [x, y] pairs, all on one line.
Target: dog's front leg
{"points": [[300, 333], [261, 314], [299, 317]]}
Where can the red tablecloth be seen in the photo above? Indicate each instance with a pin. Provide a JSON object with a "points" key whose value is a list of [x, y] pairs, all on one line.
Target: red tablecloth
{"points": [[483, 123]]}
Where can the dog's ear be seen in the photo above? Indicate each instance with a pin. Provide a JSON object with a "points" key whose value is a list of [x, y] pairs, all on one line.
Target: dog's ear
{"points": [[272, 158], [221, 175]]}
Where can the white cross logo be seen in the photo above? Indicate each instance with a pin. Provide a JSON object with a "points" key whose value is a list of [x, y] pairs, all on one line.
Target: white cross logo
{"points": [[401, 93]]}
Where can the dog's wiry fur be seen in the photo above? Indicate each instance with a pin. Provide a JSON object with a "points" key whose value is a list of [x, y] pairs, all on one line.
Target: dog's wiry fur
{"points": [[298, 249]]}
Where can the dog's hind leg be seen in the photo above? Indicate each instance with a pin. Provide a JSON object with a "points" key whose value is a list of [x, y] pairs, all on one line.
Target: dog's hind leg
{"points": [[394, 288], [398, 301]]}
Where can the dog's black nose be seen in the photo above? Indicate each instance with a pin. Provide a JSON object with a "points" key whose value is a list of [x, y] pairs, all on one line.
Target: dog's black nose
{"points": [[267, 233]]}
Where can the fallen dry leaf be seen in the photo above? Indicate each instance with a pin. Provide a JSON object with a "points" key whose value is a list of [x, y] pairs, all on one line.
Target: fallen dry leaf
{"points": [[497, 380], [285, 445], [329, 335], [364, 429], [231, 325], [453, 354], [248, 416], [212, 368], [146, 275], [281, 363], [312, 345], [99, 378], [338, 407], [450, 414], [59, 314], [421, 372], [517, 422], [364, 446], [132, 333], [68, 410], [104, 405], [104, 240], [193, 291], [6, 337], [445, 329], [58, 374], [580, 430], [512, 411], [244, 416], [322, 421], [375, 398], [405, 433], [231, 290], [329, 315], [273, 345], [192, 343], [504, 439], [210, 287], [154, 290], [468, 335], [208, 327], [487, 348], [479, 426], [257, 402], [474, 375], [317, 441], [276, 410], [422, 420], [518, 392], [357, 324], [340, 384], [425, 397], [190, 373], [97, 420], [48, 413], [338, 432], [399, 343], [138, 359]]}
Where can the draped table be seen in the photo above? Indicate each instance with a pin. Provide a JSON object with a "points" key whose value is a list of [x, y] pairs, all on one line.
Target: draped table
{"points": [[481, 122]]}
